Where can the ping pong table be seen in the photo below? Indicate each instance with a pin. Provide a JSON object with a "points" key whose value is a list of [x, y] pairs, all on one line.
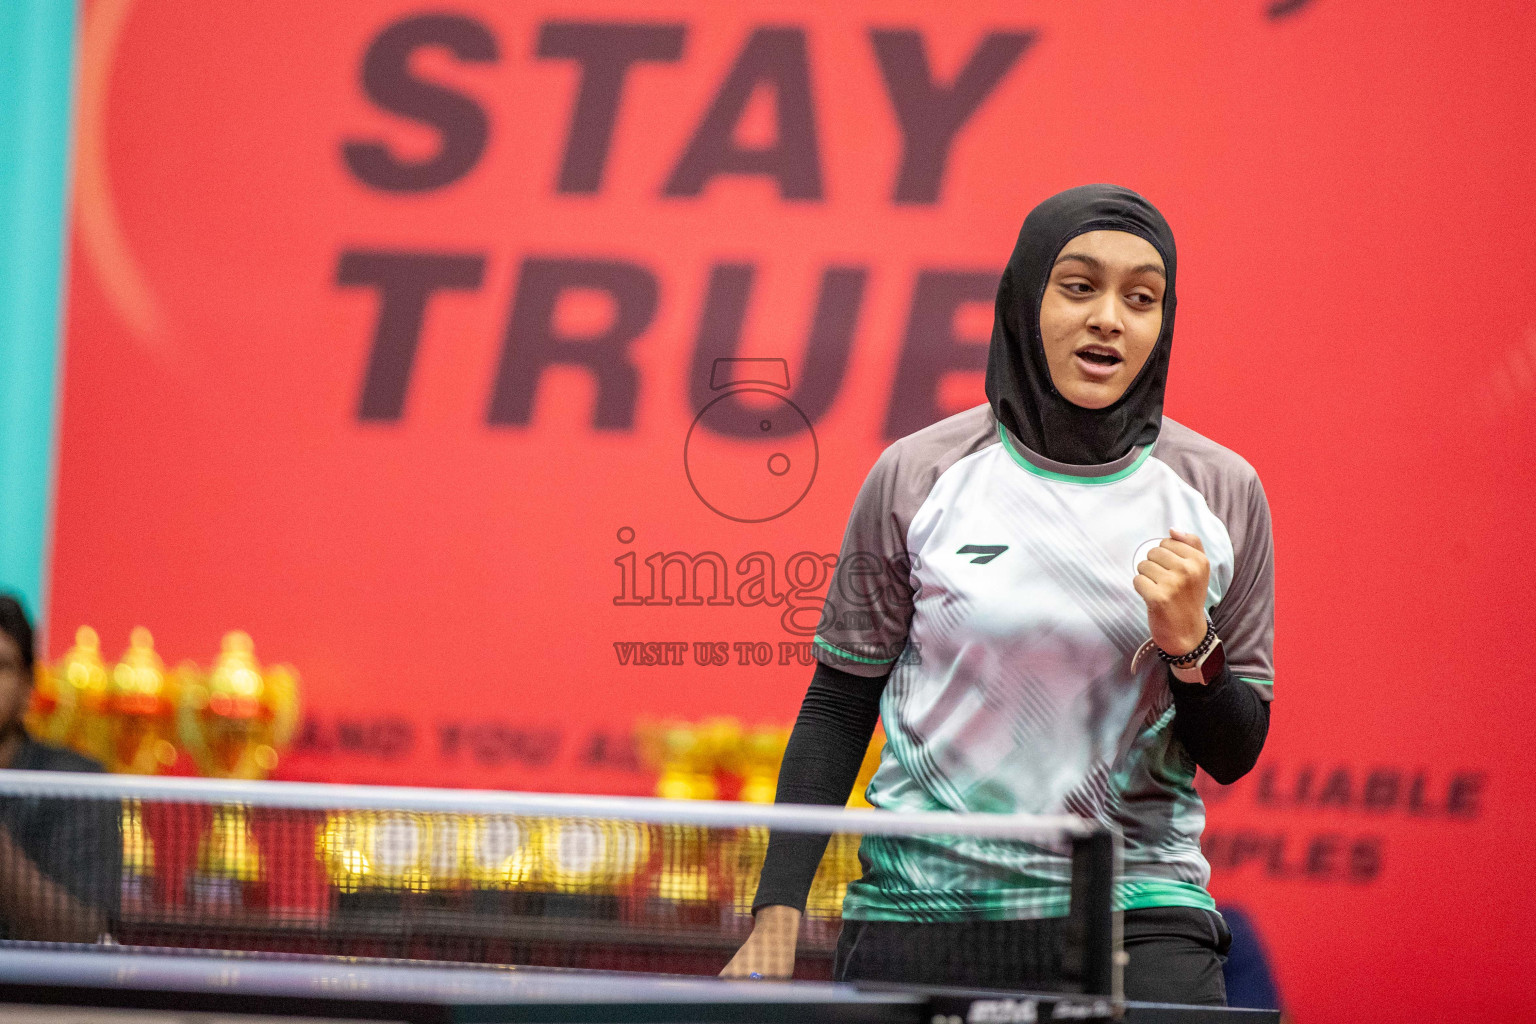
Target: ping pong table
{"points": [[67, 984]]}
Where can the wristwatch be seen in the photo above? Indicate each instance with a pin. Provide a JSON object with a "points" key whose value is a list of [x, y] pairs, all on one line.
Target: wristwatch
{"points": [[1209, 665]]}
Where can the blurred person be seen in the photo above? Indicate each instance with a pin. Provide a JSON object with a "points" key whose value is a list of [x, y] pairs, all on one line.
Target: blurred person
{"points": [[1249, 979], [1000, 575], [60, 860]]}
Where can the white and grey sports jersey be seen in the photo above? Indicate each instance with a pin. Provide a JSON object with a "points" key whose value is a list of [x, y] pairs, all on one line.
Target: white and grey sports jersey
{"points": [[996, 588]]}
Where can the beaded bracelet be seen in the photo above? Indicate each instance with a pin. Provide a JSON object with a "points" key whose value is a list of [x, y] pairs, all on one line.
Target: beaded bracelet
{"points": [[1193, 656]]}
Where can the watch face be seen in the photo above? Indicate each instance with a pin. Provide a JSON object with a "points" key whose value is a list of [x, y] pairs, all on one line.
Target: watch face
{"points": [[1213, 662]]}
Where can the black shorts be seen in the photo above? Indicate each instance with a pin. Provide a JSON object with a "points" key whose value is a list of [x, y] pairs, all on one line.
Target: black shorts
{"points": [[1175, 954]]}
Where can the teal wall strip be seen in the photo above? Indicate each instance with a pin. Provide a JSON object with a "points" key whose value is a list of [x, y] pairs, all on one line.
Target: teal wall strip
{"points": [[37, 56]]}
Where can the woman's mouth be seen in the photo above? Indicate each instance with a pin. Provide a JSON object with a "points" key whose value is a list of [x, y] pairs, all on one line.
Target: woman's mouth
{"points": [[1097, 364]]}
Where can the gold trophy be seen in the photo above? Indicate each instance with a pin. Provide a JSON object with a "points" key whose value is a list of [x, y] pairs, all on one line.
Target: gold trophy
{"points": [[687, 758], [396, 850], [503, 851], [70, 702], [584, 855], [138, 858], [232, 722], [345, 846], [415, 852], [762, 751], [139, 725], [42, 715], [228, 863], [682, 758], [140, 711]]}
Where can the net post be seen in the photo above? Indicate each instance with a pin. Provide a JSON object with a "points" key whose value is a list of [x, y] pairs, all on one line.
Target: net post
{"points": [[1092, 924]]}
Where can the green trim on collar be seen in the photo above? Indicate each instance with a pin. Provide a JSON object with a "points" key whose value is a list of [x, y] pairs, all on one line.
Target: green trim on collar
{"points": [[1068, 478]]}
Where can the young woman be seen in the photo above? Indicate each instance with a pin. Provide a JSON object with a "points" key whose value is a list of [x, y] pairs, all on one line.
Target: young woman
{"points": [[1059, 601]]}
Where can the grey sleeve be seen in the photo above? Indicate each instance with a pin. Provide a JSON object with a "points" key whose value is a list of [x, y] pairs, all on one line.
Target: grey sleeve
{"points": [[864, 622], [1245, 618]]}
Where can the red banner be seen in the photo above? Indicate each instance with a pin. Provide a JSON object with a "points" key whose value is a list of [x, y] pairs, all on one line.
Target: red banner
{"points": [[410, 340]]}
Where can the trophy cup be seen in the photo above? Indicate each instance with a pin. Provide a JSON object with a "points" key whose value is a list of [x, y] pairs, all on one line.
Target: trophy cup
{"points": [[232, 723], [138, 858], [586, 856], [140, 711], [343, 845], [42, 715], [686, 760], [762, 751], [503, 852], [69, 703], [396, 851], [229, 867], [394, 864], [682, 758]]}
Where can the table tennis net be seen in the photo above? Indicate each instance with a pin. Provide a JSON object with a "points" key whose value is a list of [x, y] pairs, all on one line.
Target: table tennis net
{"points": [[532, 879]]}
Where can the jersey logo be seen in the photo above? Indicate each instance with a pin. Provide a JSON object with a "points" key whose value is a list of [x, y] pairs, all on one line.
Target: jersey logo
{"points": [[984, 552]]}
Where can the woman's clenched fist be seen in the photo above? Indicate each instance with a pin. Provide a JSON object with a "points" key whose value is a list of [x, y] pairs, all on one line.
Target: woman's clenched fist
{"points": [[1172, 580]]}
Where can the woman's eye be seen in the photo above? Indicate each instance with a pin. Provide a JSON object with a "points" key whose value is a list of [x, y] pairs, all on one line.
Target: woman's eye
{"points": [[1078, 287]]}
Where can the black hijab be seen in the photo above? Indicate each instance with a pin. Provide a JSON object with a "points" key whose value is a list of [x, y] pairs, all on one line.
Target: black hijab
{"points": [[1019, 385]]}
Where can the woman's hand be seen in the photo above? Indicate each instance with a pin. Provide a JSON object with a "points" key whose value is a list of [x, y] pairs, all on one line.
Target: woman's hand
{"points": [[770, 950], [1172, 580]]}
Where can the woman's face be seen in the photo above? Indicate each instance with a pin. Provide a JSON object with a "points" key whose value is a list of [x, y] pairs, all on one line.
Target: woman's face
{"points": [[1101, 315], [15, 683]]}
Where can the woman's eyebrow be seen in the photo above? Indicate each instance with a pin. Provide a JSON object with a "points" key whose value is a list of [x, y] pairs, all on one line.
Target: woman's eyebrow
{"points": [[1093, 262], [1096, 264]]}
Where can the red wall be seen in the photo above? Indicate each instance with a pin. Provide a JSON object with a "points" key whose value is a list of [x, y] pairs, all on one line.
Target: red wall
{"points": [[1352, 191]]}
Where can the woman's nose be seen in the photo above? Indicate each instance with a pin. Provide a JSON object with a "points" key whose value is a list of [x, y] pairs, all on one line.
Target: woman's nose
{"points": [[1104, 317]]}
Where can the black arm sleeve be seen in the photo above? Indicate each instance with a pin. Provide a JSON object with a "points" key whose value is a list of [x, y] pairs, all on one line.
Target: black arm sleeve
{"points": [[821, 763], [1222, 724]]}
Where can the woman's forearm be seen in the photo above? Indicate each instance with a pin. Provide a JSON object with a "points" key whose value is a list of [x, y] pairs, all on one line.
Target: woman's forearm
{"points": [[1223, 724], [821, 763]]}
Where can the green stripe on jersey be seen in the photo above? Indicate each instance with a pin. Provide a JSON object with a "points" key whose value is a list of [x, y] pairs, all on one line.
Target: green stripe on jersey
{"points": [[1132, 893], [852, 657], [868, 903]]}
